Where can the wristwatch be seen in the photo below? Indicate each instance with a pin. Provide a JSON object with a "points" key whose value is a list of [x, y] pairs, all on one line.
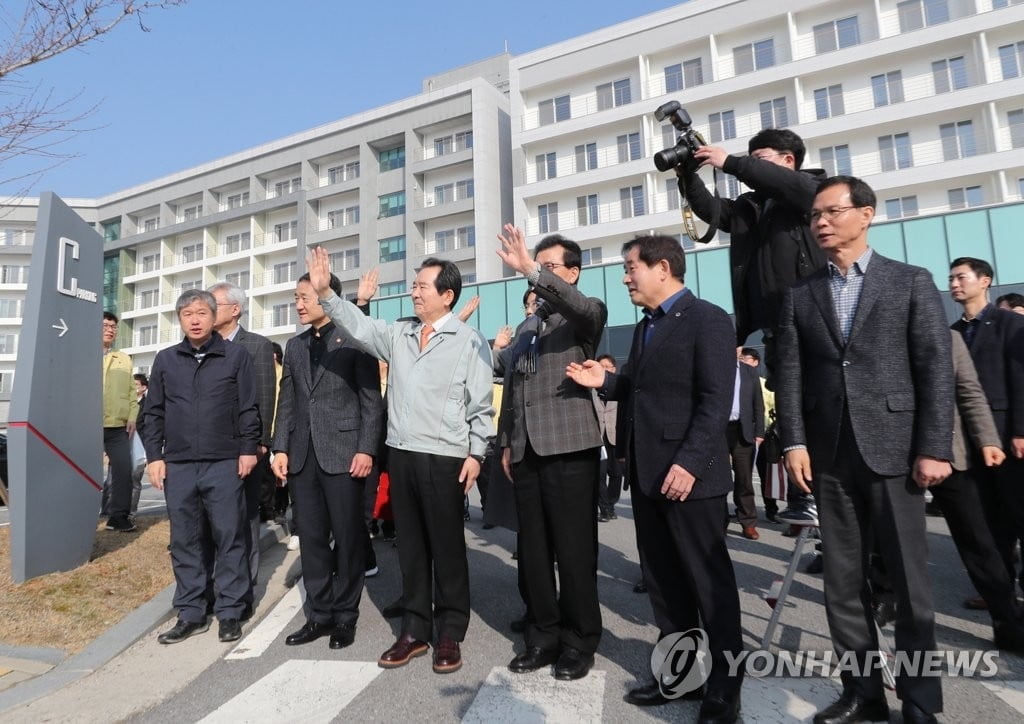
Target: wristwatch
{"points": [[478, 458]]}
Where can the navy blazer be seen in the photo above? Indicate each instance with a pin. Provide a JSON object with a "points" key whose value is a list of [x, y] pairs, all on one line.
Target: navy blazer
{"points": [[674, 397], [751, 404]]}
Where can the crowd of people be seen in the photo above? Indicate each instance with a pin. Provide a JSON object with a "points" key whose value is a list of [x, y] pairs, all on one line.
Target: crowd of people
{"points": [[870, 400]]}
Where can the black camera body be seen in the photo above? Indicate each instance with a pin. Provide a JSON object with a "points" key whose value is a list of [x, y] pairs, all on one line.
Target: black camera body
{"points": [[679, 156]]}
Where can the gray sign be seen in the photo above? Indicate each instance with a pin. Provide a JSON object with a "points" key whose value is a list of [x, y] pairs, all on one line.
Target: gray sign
{"points": [[55, 433]]}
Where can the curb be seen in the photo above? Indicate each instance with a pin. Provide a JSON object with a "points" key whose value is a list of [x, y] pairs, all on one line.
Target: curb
{"points": [[109, 644]]}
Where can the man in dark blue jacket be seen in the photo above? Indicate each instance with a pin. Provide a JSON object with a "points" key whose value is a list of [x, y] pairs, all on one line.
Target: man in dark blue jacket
{"points": [[202, 428]]}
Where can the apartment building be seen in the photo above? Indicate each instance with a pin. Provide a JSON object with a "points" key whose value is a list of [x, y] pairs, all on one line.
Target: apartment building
{"points": [[922, 98]]}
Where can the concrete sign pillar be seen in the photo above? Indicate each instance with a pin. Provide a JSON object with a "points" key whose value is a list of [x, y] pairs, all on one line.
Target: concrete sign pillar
{"points": [[55, 433]]}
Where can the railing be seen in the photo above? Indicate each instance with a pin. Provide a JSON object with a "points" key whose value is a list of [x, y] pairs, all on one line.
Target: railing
{"points": [[655, 203], [430, 151]]}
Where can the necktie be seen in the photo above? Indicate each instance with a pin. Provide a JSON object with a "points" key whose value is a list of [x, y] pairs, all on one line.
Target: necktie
{"points": [[425, 333]]}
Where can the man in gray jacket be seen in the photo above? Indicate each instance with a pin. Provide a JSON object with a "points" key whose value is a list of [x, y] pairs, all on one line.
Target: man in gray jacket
{"points": [[439, 421]]}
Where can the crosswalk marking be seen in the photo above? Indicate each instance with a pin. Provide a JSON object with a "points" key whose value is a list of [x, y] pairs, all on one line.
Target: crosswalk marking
{"points": [[259, 639], [1012, 692], [298, 691], [536, 697]]}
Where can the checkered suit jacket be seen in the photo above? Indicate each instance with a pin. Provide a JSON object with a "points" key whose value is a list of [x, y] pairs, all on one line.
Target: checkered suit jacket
{"points": [[262, 353]]}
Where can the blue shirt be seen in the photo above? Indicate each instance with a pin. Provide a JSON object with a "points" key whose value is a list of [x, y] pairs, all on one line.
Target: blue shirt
{"points": [[651, 316], [846, 290]]}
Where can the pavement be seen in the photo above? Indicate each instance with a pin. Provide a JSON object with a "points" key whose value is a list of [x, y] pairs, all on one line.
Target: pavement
{"points": [[125, 675]]}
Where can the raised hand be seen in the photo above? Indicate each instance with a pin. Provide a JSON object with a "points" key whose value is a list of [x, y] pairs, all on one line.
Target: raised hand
{"points": [[318, 264], [588, 374], [367, 286], [513, 250], [467, 310]]}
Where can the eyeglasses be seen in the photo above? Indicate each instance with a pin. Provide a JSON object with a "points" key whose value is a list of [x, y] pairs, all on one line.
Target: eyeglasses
{"points": [[110, 325], [551, 265], [766, 156], [225, 304], [829, 213]]}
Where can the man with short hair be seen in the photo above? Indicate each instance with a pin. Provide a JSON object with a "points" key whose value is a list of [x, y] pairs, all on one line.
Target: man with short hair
{"points": [[439, 421], [864, 397], [329, 420], [231, 301], [550, 441], [120, 410], [201, 433], [674, 394], [995, 338], [744, 433], [609, 486], [1011, 301]]}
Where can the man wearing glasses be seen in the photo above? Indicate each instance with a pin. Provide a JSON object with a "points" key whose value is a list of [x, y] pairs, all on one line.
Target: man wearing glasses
{"points": [[770, 246], [120, 409]]}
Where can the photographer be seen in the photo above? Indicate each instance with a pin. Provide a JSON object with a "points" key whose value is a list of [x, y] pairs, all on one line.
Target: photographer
{"points": [[771, 245]]}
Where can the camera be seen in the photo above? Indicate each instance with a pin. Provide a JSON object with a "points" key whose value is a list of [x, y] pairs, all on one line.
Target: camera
{"points": [[680, 156]]}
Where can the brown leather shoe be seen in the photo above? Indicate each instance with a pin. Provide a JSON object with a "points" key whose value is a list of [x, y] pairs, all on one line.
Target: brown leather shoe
{"points": [[447, 656], [404, 649], [976, 603], [750, 532]]}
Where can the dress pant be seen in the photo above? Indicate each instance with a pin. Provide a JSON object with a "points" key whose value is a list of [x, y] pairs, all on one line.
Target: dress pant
{"points": [[742, 454], [117, 500], [253, 489], [426, 497], [1002, 498], [609, 477], [556, 496], [690, 578], [856, 507], [330, 505], [205, 499]]}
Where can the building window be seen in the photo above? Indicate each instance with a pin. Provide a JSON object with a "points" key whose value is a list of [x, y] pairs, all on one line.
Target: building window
{"points": [[967, 197], [285, 272], [628, 146], [895, 151], [836, 160], [195, 284], [591, 257], [547, 217], [586, 210], [949, 75], [148, 298], [443, 145], [723, 126], [586, 157], [392, 249], [836, 34], [240, 279], [343, 217], [391, 204], [553, 110], [887, 88], [287, 186], [112, 230], [345, 172], [727, 185], [282, 315], [957, 140], [443, 241], [465, 237], [901, 207], [828, 102], [610, 95], [915, 14], [631, 199], [547, 166], [190, 213], [344, 260], [151, 262], [235, 200], [996, 4], [146, 335], [1015, 119], [754, 56], [773, 113], [150, 224], [392, 158], [1011, 59], [237, 242], [464, 189], [393, 289], [191, 253], [463, 140], [13, 274], [10, 308], [672, 193], [687, 74], [287, 231], [444, 194]]}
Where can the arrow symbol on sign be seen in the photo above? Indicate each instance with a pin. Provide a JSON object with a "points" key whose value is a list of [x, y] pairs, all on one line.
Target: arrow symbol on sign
{"points": [[63, 327]]}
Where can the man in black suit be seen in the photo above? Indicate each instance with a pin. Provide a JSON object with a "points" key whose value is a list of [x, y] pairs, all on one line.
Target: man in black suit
{"points": [[995, 338], [744, 432], [329, 421], [674, 395], [231, 301], [865, 405]]}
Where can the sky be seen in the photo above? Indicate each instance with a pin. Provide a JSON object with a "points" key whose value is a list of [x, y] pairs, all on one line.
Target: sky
{"points": [[215, 77]]}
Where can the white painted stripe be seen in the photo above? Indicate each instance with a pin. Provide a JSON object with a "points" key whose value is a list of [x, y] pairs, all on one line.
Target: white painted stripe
{"points": [[259, 639], [785, 700], [298, 691], [537, 697], [1012, 692]]}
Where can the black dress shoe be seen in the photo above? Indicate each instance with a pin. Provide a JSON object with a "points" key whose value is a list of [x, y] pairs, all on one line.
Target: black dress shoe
{"points": [[572, 664], [230, 629], [182, 630], [343, 636], [852, 707], [913, 714], [649, 694], [1008, 636], [310, 631], [393, 610], [532, 659], [719, 709], [640, 587]]}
